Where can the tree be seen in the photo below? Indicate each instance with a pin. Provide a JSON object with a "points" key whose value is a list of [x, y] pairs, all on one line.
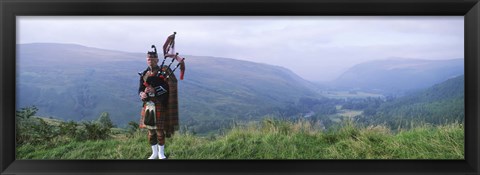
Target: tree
{"points": [[24, 124], [26, 112], [33, 130], [132, 128], [105, 120]]}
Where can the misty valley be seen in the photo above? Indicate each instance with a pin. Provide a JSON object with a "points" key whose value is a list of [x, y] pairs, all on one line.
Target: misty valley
{"points": [[219, 93]]}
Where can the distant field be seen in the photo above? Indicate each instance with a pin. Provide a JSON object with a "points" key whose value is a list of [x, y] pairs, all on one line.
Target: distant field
{"points": [[344, 113], [348, 94]]}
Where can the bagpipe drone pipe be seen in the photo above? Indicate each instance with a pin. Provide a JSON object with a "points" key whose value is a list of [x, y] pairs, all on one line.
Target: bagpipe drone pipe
{"points": [[169, 52]]}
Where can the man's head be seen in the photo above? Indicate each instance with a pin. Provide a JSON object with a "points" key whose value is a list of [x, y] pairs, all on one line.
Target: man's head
{"points": [[152, 59]]}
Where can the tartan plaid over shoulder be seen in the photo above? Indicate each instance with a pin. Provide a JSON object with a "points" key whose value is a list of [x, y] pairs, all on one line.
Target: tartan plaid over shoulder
{"points": [[171, 119]]}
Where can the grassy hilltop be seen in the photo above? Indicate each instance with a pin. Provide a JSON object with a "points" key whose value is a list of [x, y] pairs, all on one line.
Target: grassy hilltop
{"points": [[268, 139]]}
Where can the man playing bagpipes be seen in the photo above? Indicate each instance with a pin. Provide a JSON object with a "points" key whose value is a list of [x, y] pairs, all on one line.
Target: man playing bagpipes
{"points": [[158, 91]]}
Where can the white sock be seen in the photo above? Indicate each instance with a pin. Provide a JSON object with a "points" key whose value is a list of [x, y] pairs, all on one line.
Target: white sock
{"points": [[161, 154], [154, 152]]}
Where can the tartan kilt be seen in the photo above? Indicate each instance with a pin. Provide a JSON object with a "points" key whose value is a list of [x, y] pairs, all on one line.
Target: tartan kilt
{"points": [[160, 116]]}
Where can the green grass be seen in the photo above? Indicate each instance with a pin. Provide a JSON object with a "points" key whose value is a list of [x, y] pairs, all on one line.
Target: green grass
{"points": [[272, 139]]}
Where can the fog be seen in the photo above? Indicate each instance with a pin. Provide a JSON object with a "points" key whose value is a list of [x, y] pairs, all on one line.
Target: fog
{"points": [[317, 48]]}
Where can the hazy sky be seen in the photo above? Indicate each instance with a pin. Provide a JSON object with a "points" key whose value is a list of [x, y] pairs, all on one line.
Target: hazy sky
{"points": [[318, 48]]}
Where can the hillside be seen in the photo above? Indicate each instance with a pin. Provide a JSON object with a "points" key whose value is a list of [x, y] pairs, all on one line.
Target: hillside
{"points": [[227, 87], [392, 76], [74, 82], [439, 104], [269, 139]]}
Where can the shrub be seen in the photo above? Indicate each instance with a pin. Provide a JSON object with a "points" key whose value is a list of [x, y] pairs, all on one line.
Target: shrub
{"points": [[69, 129], [95, 131], [33, 130]]}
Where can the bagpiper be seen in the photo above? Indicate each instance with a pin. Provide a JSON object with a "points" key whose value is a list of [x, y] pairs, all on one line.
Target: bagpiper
{"points": [[158, 92]]}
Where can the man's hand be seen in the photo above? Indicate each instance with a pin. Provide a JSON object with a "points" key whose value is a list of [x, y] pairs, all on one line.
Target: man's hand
{"points": [[143, 95], [148, 89]]}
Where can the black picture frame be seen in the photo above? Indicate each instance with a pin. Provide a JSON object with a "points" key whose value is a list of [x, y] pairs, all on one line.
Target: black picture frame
{"points": [[9, 9]]}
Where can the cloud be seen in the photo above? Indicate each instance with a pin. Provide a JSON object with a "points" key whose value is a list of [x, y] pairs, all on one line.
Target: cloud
{"points": [[315, 47]]}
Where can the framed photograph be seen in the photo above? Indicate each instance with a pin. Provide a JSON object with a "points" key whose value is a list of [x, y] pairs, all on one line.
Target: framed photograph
{"points": [[302, 87]]}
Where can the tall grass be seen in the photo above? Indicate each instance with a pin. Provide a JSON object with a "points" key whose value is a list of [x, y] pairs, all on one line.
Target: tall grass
{"points": [[274, 139]]}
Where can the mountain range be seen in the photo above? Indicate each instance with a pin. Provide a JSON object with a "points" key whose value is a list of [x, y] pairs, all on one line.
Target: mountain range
{"points": [[74, 82], [398, 75]]}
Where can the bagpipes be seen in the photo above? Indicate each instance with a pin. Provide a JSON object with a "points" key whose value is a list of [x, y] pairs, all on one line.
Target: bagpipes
{"points": [[159, 79]]}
